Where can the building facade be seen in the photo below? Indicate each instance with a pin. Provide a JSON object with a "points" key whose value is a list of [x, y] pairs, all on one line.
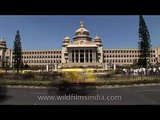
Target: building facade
{"points": [[81, 51]]}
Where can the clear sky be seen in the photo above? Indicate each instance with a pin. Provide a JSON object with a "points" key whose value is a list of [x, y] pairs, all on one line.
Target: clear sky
{"points": [[48, 32]]}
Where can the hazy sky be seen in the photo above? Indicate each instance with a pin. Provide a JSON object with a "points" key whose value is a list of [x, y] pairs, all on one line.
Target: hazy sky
{"points": [[48, 32]]}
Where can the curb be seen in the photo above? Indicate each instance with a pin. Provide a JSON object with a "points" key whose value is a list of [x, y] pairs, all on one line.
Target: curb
{"points": [[20, 86], [134, 85], [104, 86]]}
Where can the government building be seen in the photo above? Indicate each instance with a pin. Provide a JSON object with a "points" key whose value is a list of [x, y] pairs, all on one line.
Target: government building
{"points": [[80, 51]]}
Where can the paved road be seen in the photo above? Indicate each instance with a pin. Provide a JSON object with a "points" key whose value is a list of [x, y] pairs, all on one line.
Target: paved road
{"points": [[86, 96]]}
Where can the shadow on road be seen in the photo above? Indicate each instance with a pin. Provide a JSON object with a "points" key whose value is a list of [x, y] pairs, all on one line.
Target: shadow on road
{"points": [[72, 89], [3, 94], [4, 98]]}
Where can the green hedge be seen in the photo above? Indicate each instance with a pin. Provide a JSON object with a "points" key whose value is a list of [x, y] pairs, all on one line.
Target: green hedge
{"points": [[130, 82], [99, 82]]}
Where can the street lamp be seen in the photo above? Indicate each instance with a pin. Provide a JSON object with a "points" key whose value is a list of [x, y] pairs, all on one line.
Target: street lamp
{"points": [[13, 67], [147, 65], [6, 64]]}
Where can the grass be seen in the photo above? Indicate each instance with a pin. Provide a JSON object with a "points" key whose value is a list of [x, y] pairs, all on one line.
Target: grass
{"points": [[132, 80], [108, 81], [27, 82]]}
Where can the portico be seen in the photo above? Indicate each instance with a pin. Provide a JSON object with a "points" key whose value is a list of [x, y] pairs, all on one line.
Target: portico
{"points": [[82, 51], [82, 55]]}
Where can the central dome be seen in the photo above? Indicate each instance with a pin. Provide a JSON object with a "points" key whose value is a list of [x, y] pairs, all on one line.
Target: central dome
{"points": [[82, 30]]}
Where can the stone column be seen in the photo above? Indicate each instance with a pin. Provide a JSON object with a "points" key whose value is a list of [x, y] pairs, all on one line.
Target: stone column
{"points": [[93, 56], [71, 56], [79, 56], [84, 56], [88, 55], [74, 56], [96, 56]]}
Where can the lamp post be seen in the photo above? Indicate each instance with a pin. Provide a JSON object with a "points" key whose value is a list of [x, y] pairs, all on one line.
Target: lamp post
{"points": [[13, 68], [6, 64], [147, 65]]}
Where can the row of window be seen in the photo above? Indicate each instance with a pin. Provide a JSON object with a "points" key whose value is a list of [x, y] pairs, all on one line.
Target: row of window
{"points": [[44, 66], [124, 51], [123, 60], [43, 52], [81, 51], [41, 56], [109, 56], [42, 61]]}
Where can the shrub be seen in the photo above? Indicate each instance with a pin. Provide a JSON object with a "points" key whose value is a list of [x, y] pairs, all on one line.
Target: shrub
{"points": [[118, 71]]}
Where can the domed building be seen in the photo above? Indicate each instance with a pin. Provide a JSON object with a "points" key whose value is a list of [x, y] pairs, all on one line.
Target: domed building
{"points": [[82, 51], [79, 51]]}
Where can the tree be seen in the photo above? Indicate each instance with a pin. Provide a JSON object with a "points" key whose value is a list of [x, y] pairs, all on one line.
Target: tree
{"points": [[144, 43], [17, 52]]}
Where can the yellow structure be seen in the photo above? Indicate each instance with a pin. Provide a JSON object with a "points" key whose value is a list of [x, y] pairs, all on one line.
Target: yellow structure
{"points": [[81, 75]]}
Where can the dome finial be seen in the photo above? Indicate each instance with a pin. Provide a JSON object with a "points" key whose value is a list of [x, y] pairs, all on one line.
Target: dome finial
{"points": [[81, 24], [2, 39]]}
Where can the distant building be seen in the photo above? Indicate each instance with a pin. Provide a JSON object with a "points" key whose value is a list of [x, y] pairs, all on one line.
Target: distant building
{"points": [[81, 51]]}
